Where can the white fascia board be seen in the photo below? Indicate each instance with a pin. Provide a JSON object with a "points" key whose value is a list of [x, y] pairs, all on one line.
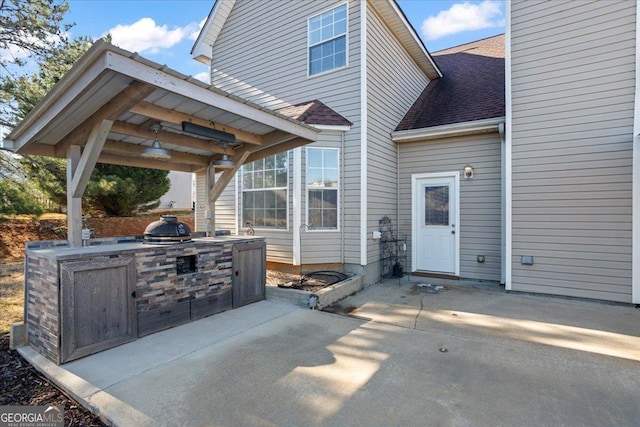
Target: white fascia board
{"points": [[456, 129], [332, 127], [201, 50], [635, 245]]}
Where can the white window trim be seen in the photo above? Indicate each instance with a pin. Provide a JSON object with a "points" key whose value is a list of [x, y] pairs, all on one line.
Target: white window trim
{"points": [[241, 205], [346, 60], [306, 193]]}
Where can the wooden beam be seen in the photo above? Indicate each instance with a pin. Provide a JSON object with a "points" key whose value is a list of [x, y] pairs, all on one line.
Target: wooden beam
{"points": [[90, 154], [42, 150], [118, 159], [124, 128], [118, 105], [124, 148], [158, 113]]}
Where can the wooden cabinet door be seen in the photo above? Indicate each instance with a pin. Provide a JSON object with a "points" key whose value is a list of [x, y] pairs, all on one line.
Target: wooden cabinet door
{"points": [[98, 306], [249, 272]]}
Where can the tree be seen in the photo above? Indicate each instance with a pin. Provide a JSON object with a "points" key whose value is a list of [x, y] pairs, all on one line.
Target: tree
{"points": [[29, 29], [25, 91], [124, 190], [21, 92]]}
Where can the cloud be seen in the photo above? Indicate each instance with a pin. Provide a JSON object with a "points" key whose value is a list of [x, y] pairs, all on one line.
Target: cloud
{"points": [[146, 35], [194, 34], [203, 77], [462, 17]]}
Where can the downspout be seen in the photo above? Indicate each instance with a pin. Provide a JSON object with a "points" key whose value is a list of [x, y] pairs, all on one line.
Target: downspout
{"points": [[503, 204], [342, 143], [397, 192]]}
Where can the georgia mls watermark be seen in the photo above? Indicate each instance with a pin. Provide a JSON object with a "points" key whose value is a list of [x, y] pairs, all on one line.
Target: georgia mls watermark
{"points": [[32, 416]]}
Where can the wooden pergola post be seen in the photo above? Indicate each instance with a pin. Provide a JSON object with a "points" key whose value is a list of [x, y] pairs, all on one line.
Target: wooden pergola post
{"points": [[74, 204], [80, 165], [211, 198]]}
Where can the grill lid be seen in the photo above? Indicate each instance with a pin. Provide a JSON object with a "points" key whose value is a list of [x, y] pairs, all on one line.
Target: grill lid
{"points": [[167, 230]]}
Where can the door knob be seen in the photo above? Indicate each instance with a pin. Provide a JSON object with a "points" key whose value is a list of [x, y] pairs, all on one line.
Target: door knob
{"points": [[453, 232]]}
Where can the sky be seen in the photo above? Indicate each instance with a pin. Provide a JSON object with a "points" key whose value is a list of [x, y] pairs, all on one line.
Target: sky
{"points": [[164, 31]]}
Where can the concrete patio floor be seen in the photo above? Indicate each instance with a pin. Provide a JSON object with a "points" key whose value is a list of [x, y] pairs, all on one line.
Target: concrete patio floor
{"points": [[404, 355]]}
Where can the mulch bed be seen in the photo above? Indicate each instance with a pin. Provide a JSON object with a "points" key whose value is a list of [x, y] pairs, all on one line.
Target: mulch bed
{"points": [[21, 384]]}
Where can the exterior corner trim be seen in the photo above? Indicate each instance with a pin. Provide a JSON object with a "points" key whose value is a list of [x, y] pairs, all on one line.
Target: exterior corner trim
{"points": [[635, 222], [508, 160], [363, 133]]}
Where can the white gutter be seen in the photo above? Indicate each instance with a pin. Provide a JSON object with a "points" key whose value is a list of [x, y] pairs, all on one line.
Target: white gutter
{"points": [[635, 245], [503, 203], [338, 128], [456, 129], [508, 152]]}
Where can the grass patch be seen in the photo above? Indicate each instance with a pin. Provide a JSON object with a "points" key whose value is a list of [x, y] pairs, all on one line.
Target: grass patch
{"points": [[11, 299]]}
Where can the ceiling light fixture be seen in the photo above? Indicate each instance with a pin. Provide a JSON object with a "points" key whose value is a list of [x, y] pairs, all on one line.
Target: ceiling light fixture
{"points": [[225, 162], [156, 151]]}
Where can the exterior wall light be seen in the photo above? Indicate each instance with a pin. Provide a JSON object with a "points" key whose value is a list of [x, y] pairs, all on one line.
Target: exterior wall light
{"points": [[468, 171]]}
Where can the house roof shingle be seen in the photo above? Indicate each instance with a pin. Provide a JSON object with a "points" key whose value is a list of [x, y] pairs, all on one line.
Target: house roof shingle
{"points": [[473, 87], [314, 113]]}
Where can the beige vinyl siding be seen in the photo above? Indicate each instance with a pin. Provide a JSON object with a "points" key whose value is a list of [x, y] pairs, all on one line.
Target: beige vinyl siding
{"points": [[480, 197], [225, 206], [201, 202], [394, 83], [572, 77], [261, 55]]}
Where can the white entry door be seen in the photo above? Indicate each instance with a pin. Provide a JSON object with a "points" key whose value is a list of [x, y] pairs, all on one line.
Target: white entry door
{"points": [[435, 228]]}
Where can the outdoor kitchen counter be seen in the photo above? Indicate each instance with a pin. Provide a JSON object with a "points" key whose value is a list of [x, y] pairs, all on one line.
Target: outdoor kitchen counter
{"points": [[50, 249], [82, 300]]}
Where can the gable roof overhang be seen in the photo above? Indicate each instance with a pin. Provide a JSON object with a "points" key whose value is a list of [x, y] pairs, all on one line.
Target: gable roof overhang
{"points": [[406, 34], [202, 47], [387, 9], [109, 83]]}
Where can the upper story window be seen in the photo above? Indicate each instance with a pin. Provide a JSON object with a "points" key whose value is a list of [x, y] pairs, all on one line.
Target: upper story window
{"points": [[322, 188], [264, 192], [328, 40]]}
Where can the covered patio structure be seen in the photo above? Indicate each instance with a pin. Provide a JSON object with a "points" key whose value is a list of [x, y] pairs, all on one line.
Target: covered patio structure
{"points": [[116, 107]]}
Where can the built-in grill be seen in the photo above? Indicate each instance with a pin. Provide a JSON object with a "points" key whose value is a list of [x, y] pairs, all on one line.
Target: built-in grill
{"points": [[167, 231]]}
